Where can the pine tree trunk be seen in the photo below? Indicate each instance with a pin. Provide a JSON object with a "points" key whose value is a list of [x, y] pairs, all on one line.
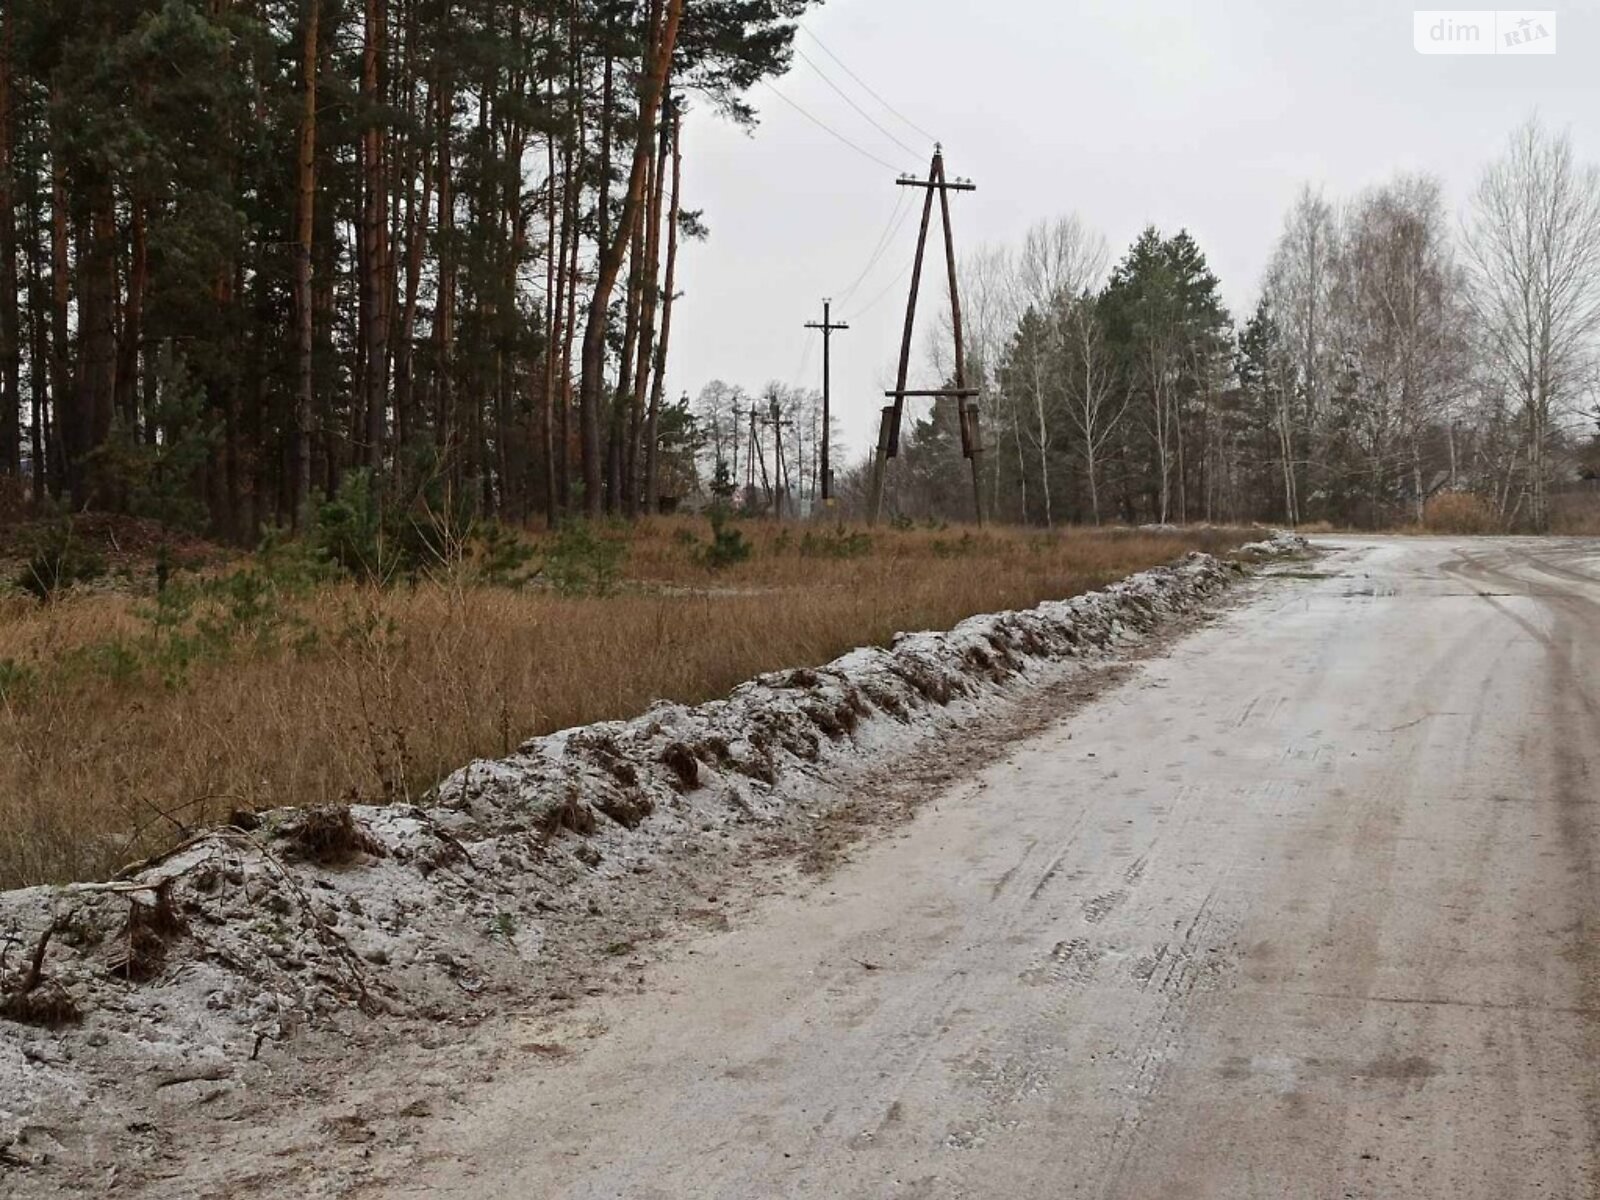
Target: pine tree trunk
{"points": [[613, 433], [445, 432], [481, 218], [569, 332], [38, 311], [621, 399], [10, 323], [132, 333], [305, 226], [665, 17], [652, 487], [514, 456], [224, 389], [553, 281], [97, 326], [650, 275], [375, 228], [573, 156], [66, 419], [405, 354], [231, 518]]}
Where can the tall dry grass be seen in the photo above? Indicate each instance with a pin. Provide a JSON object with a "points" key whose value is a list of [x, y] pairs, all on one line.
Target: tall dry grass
{"points": [[1463, 513], [1576, 515], [400, 686]]}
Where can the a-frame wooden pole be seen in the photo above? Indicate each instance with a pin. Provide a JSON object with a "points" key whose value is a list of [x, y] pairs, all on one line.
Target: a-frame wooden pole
{"points": [[971, 428], [750, 456], [889, 433], [889, 439]]}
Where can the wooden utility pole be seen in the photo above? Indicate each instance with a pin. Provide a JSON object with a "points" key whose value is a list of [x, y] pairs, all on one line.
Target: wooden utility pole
{"points": [[777, 422], [759, 451], [750, 455], [971, 430], [828, 328]]}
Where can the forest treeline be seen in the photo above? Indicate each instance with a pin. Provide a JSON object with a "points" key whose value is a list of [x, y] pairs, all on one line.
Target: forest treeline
{"points": [[1400, 353], [249, 246]]}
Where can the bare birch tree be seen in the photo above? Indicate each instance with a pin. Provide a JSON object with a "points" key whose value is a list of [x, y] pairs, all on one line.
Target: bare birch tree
{"points": [[988, 302], [718, 411], [1298, 286], [1094, 405], [1533, 247], [1060, 260], [1399, 317]]}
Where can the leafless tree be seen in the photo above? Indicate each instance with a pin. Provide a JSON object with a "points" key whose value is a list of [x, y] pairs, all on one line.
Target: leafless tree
{"points": [[1299, 284], [1060, 260], [1400, 317], [1533, 247], [717, 410], [1158, 367], [988, 304], [1094, 405]]}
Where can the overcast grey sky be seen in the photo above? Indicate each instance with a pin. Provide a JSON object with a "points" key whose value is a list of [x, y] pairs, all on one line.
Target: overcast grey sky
{"points": [[1127, 112]]}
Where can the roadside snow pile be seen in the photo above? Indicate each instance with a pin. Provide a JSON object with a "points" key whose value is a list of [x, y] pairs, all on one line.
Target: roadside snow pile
{"points": [[197, 961], [1280, 545]]}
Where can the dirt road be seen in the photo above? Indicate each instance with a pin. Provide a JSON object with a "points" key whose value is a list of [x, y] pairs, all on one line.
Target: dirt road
{"points": [[1307, 908]]}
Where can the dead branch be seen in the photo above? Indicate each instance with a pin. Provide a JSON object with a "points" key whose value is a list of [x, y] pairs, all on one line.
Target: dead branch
{"points": [[35, 974]]}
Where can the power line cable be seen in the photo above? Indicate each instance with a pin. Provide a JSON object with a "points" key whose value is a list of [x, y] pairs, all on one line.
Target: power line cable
{"points": [[828, 129], [805, 365], [899, 275], [845, 96], [897, 218], [805, 360], [910, 124]]}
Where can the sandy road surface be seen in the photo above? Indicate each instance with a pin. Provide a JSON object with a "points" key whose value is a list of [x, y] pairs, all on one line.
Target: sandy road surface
{"points": [[1308, 908]]}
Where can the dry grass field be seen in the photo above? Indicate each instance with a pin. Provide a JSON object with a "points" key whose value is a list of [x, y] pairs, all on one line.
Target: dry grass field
{"points": [[128, 720]]}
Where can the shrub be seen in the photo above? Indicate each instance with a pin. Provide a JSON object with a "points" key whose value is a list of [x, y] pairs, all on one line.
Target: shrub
{"points": [[722, 484], [582, 563], [349, 530], [1460, 513], [499, 556], [962, 547], [404, 525], [728, 546], [194, 621], [57, 562], [154, 478], [841, 543], [16, 680]]}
